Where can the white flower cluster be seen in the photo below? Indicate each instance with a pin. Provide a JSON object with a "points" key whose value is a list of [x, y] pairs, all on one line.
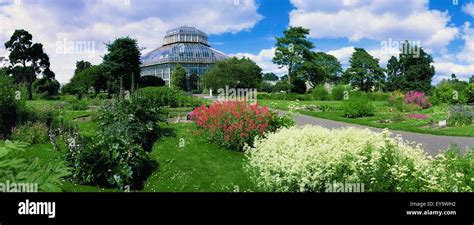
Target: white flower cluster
{"points": [[300, 159]]}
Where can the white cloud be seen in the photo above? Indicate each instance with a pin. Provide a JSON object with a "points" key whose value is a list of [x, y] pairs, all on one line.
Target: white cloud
{"points": [[98, 22], [444, 69], [377, 20], [467, 53], [264, 60], [468, 8]]}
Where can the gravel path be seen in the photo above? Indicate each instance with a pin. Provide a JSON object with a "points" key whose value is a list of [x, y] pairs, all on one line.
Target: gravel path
{"points": [[431, 143]]}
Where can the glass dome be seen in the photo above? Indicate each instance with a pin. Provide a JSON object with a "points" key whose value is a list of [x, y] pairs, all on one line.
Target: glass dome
{"points": [[183, 45]]}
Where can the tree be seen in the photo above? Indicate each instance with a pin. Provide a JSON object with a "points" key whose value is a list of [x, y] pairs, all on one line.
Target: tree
{"points": [[121, 63], [92, 77], [270, 77], [82, 65], [151, 81], [178, 78], [471, 80], [364, 71], [292, 50], [320, 68], [410, 72], [26, 59], [235, 73], [299, 86]]}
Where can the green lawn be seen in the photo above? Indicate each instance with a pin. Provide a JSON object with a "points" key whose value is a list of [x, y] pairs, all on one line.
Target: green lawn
{"points": [[382, 114]]}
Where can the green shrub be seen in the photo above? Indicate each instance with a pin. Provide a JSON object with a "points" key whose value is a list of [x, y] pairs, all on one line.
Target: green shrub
{"points": [[165, 96], [311, 158], [78, 105], [469, 91], [282, 86], [320, 93], [446, 93], [15, 168], [358, 107], [460, 115], [10, 107], [378, 96], [338, 92], [299, 86], [265, 87], [33, 133]]}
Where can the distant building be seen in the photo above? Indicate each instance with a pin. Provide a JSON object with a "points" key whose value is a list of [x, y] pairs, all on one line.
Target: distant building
{"points": [[186, 46]]}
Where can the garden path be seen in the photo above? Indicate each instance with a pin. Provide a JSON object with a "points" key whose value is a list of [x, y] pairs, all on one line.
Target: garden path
{"points": [[433, 144]]}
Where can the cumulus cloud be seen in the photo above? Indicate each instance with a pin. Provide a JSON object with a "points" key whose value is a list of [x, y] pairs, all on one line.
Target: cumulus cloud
{"points": [[376, 20], [93, 23], [264, 60], [468, 8]]}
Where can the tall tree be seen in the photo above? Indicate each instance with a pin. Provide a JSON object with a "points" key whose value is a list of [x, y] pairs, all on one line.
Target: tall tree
{"points": [[82, 65], [364, 71], [235, 73], [471, 80], [292, 50], [270, 77], [178, 78], [27, 60], [91, 77], [410, 71], [321, 68], [121, 63]]}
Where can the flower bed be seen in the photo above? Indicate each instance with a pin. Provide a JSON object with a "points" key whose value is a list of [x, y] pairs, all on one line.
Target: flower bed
{"points": [[416, 99], [309, 158], [233, 124]]}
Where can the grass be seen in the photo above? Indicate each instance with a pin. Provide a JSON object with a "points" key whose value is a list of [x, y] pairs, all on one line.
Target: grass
{"points": [[196, 166], [382, 114]]}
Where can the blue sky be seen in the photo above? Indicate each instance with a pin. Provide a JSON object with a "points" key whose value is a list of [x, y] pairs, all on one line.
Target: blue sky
{"points": [[73, 30]]}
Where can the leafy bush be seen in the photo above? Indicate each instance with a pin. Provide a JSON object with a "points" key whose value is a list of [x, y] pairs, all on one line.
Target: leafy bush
{"points": [[320, 93], [309, 159], [470, 93], [33, 133], [10, 107], [417, 99], [378, 96], [338, 92], [78, 105], [14, 168], [299, 86], [446, 93], [233, 124], [285, 96], [264, 87], [358, 107], [165, 96], [151, 81], [460, 115], [282, 86]]}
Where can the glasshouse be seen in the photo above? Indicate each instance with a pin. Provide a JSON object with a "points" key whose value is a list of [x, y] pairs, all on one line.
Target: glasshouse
{"points": [[186, 46]]}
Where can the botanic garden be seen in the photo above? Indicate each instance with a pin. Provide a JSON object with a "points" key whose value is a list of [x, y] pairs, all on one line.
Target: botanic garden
{"points": [[111, 130]]}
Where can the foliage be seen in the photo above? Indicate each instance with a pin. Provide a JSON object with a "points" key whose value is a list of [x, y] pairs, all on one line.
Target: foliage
{"points": [[339, 91], [285, 96], [445, 92], [320, 93], [178, 78], [282, 86], [122, 64], [265, 87], [92, 77], [32, 133], [78, 105], [321, 68], [27, 59], [358, 107], [412, 70], [14, 168], [151, 81], [234, 124], [364, 71], [235, 73], [470, 92], [311, 158], [46, 86], [270, 77], [299, 86], [165, 96], [10, 107], [417, 99], [292, 49], [460, 115]]}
